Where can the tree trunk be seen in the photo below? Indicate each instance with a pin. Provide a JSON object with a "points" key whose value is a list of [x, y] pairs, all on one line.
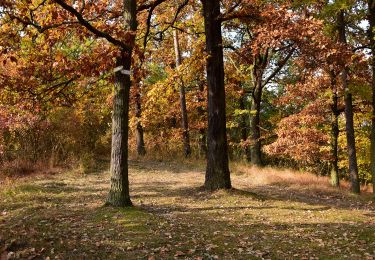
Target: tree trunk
{"points": [[141, 150], [202, 142], [256, 146], [185, 122], [119, 192], [217, 172], [371, 18], [335, 181], [243, 126], [350, 136]]}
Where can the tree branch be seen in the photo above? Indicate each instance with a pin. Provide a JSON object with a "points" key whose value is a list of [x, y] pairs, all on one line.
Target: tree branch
{"points": [[280, 65], [91, 28], [170, 24], [150, 5]]}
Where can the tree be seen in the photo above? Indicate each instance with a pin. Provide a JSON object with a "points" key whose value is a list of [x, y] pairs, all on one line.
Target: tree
{"points": [[217, 171], [350, 136], [371, 36], [184, 114], [335, 131], [141, 148], [119, 18], [119, 192]]}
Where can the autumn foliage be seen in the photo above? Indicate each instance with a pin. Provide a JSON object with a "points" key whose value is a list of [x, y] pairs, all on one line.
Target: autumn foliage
{"points": [[56, 75]]}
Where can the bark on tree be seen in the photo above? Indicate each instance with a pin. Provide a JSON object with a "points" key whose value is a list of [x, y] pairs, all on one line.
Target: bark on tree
{"points": [[371, 35], [350, 135], [244, 127], [256, 146], [335, 181], [119, 192], [217, 171], [202, 141], [260, 64], [184, 114], [141, 150]]}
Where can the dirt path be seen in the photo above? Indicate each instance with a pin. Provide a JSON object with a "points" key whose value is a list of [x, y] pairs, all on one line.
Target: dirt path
{"points": [[61, 217]]}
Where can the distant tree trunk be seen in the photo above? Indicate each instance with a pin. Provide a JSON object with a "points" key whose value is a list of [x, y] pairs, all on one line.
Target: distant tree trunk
{"points": [[256, 146], [184, 114], [243, 126], [335, 181], [350, 136], [371, 18], [119, 192], [202, 141], [260, 63], [141, 150], [217, 172]]}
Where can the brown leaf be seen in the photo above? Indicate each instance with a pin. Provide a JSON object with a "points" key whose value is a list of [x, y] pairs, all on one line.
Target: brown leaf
{"points": [[179, 253]]}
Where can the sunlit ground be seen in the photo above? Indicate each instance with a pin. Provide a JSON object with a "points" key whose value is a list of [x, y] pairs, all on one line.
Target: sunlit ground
{"points": [[270, 214]]}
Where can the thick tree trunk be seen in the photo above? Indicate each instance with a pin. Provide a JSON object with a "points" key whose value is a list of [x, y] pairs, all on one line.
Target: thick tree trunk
{"points": [[141, 150], [335, 181], [350, 136], [217, 172], [184, 114], [119, 192], [256, 146], [371, 18]]}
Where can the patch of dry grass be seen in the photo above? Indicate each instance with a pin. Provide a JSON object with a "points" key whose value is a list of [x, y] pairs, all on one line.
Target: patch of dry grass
{"points": [[290, 178]]}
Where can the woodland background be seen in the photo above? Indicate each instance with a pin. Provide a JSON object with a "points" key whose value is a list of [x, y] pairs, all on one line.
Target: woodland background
{"points": [[285, 97], [162, 91]]}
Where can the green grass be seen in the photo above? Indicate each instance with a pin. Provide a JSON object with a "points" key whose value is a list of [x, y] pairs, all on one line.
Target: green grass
{"points": [[63, 216]]}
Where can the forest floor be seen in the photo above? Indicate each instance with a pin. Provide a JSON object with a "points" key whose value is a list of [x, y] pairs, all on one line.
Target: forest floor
{"points": [[271, 214]]}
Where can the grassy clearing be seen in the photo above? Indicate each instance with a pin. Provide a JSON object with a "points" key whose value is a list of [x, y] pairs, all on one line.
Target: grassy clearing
{"points": [[271, 214]]}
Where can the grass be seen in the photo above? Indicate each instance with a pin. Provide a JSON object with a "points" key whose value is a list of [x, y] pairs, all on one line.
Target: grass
{"points": [[272, 214]]}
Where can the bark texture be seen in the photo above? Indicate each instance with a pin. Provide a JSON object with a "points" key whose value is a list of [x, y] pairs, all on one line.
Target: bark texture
{"points": [[256, 146], [141, 149], [335, 181], [217, 171], [119, 192], [350, 136]]}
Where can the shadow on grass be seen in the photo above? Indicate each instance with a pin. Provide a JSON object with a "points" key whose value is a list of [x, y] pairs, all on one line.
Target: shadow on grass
{"points": [[259, 193], [74, 230], [110, 233], [45, 193], [77, 233], [282, 191], [164, 166]]}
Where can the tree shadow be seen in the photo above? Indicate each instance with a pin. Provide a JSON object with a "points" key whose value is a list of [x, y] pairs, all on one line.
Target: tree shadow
{"points": [[164, 166], [136, 233], [259, 193]]}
